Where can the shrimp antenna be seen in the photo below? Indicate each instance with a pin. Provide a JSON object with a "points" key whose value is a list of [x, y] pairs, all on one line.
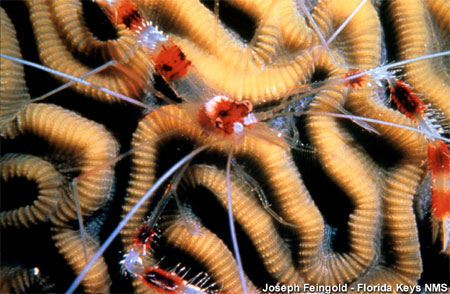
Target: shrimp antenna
{"points": [[89, 173], [80, 219], [302, 91], [232, 228], [318, 32], [170, 190], [107, 91], [259, 191], [125, 220], [411, 60], [338, 31], [217, 16], [367, 119], [380, 70], [71, 82], [78, 80]]}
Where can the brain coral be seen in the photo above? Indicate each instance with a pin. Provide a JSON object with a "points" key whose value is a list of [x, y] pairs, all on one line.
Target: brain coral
{"points": [[347, 203]]}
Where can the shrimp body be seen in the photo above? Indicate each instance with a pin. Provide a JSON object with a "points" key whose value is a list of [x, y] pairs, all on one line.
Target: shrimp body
{"points": [[225, 115], [171, 63], [168, 59], [409, 103], [407, 100], [144, 238], [167, 282], [439, 166], [124, 12]]}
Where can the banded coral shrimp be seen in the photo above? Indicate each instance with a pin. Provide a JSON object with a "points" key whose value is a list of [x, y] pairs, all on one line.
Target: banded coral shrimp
{"points": [[216, 217]]}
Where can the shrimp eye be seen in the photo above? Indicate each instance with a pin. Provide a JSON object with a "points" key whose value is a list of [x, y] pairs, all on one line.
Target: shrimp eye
{"points": [[248, 105], [219, 123]]}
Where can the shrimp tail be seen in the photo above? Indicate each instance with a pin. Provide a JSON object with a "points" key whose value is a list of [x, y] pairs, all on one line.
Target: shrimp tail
{"points": [[439, 166], [441, 228]]}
